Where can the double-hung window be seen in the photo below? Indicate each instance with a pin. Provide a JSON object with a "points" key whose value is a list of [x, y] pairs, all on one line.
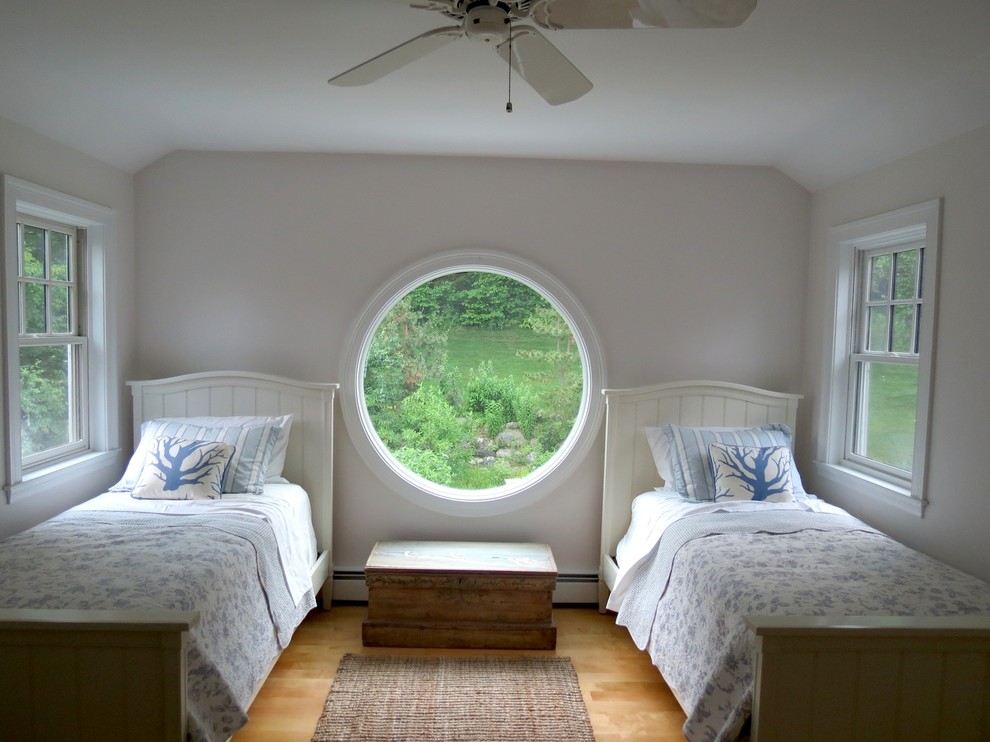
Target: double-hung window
{"points": [[59, 374], [876, 392], [884, 362], [52, 348]]}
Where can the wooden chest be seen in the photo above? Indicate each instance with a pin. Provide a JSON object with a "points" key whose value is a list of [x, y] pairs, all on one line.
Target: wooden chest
{"points": [[460, 594]]}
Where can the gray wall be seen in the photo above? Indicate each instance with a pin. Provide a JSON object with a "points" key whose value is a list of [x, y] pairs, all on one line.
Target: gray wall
{"points": [[37, 159], [956, 524], [263, 262]]}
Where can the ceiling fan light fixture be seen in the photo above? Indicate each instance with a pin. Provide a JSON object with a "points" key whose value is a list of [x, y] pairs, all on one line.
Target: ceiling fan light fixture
{"points": [[487, 23]]}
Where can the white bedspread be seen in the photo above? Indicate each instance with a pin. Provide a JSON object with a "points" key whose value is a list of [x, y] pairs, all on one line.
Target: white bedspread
{"points": [[683, 596], [653, 512], [240, 562], [285, 507]]}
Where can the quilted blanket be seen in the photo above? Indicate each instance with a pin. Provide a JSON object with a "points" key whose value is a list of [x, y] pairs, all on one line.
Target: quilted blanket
{"points": [[687, 601], [226, 566]]}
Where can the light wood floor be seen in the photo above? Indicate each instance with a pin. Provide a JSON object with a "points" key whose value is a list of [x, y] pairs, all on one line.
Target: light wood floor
{"points": [[626, 698]]}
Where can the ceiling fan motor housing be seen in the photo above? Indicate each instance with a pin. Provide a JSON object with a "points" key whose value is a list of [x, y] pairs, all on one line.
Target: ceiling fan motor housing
{"points": [[487, 23]]}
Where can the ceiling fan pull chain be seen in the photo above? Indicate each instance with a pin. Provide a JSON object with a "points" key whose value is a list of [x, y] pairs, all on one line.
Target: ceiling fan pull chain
{"points": [[508, 103]]}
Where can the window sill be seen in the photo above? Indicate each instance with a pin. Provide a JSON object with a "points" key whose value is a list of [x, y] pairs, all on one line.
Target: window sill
{"points": [[43, 479], [874, 488]]}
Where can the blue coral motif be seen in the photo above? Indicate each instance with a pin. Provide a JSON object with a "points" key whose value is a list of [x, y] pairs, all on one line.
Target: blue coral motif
{"points": [[760, 470], [180, 463]]}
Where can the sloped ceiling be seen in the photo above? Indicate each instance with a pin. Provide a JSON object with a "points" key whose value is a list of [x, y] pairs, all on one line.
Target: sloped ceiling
{"points": [[821, 90]]}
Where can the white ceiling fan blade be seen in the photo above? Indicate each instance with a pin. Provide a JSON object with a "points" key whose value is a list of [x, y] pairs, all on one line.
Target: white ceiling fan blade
{"points": [[692, 13], [585, 14], [400, 56], [541, 64]]}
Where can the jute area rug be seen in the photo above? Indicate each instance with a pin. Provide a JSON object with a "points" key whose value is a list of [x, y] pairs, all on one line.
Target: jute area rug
{"points": [[375, 698]]}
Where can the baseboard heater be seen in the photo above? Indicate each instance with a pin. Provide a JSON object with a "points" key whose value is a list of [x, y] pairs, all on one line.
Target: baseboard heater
{"points": [[572, 589]]}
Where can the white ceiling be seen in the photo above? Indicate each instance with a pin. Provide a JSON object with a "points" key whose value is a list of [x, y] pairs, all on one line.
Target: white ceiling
{"points": [[822, 89]]}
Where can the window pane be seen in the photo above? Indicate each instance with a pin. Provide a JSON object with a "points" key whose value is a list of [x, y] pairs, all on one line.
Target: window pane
{"points": [[473, 379], [33, 252], [58, 252], [905, 274], [904, 328], [34, 309], [917, 328], [877, 342], [921, 272], [880, 278], [887, 406], [46, 412], [61, 317]]}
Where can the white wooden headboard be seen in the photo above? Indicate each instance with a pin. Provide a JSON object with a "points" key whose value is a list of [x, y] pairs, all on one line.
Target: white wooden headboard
{"points": [[629, 466], [309, 459]]}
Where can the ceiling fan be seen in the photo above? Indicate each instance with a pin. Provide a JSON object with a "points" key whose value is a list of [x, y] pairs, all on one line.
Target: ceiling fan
{"points": [[501, 25]]}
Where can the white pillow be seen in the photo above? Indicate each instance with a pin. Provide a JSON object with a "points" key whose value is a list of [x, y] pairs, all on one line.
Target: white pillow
{"points": [[183, 469], [751, 472], [253, 444], [282, 422]]}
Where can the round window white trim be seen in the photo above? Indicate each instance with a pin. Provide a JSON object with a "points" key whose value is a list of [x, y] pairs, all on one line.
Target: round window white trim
{"points": [[510, 496]]}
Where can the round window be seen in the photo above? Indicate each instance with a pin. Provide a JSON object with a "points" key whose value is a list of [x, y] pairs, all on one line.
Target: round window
{"points": [[476, 383]]}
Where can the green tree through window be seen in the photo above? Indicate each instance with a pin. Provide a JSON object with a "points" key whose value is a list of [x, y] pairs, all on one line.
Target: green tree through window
{"points": [[49, 342], [886, 361], [473, 379]]}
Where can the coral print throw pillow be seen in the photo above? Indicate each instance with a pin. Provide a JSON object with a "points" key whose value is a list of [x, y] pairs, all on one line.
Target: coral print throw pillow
{"points": [[751, 472], [183, 469]]}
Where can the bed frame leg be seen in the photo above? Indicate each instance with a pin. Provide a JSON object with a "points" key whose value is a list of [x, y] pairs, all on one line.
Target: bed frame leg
{"points": [[322, 576], [324, 598]]}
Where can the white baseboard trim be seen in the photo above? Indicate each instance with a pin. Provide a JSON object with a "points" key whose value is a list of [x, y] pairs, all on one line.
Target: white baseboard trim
{"points": [[349, 586], [576, 590]]}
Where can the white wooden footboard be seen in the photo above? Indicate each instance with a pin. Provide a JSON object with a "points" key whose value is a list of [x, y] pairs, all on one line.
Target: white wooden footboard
{"points": [[870, 678], [93, 675]]}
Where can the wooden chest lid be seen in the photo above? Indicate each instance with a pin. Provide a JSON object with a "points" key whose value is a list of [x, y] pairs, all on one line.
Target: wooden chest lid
{"points": [[470, 557]]}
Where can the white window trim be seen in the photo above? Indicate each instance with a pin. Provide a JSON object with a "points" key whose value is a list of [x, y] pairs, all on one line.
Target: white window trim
{"points": [[98, 262], [448, 500], [845, 242]]}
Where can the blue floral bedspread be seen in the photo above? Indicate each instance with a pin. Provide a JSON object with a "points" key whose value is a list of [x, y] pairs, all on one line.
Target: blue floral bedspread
{"points": [[226, 566], [687, 602]]}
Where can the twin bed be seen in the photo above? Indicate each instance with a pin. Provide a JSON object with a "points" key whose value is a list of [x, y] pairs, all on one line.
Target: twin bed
{"points": [[786, 619], [783, 619], [155, 618]]}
